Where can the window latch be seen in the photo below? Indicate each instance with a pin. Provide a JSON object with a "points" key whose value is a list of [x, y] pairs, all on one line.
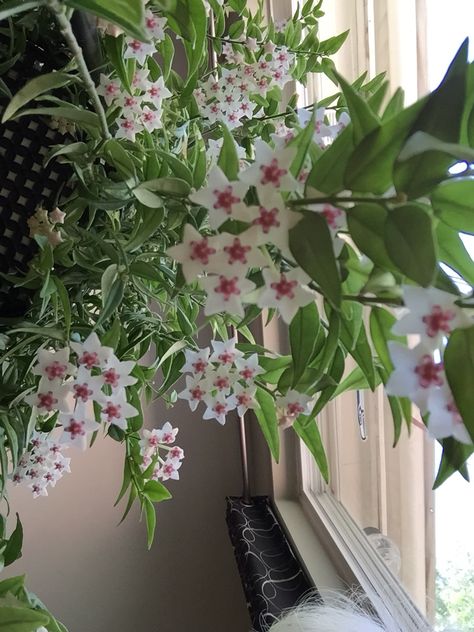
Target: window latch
{"points": [[361, 415]]}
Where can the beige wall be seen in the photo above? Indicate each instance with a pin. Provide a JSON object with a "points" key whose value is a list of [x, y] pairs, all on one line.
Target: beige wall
{"points": [[97, 577]]}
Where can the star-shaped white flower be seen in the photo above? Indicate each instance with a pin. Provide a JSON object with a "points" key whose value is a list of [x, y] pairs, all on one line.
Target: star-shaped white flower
{"points": [[155, 26], [225, 352], [87, 388], [432, 313], [128, 128], [169, 469], [416, 373], [287, 291], [195, 253], [243, 398], [248, 368], [138, 50], [91, 353], [151, 119], [116, 374], [109, 88], [196, 361], [236, 254], [291, 406], [225, 293], [116, 410], [76, 429], [53, 365], [50, 398], [167, 434], [195, 392], [271, 168], [444, 419], [140, 79], [218, 407], [156, 91], [222, 198]]}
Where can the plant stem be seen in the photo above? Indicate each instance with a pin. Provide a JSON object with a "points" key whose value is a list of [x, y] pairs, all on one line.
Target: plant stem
{"points": [[58, 9], [340, 200], [369, 300]]}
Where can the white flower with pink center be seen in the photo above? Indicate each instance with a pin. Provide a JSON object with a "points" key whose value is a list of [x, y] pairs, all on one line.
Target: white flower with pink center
{"points": [[431, 313], [140, 51], [140, 79], [226, 293], [91, 353], [221, 380], [223, 199], [416, 372], [287, 291], [195, 253], [167, 434], [195, 392], [155, 26], [131, 105], [116, 373], [156, 91], [197, 362], [76, 429], [444, 419], [154, 440], [213, 112], [176, 453], [86, 388], [291, 406], [169, 470], [53, 365], [225, 352], [50, 398], [248, 368], [109, 88], [237, 253], [116, 410], [38, 488], [272, 221], [128, 128], [151, 119], [218, 407], [243, 398]]}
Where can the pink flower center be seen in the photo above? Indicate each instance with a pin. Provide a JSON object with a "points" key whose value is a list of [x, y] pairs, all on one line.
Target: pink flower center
{"points": [[150, 22], [225, 198], [111, 88], [294, 408], [201, 251], [48, 476], [47, 401], [112, 411], [272, 174], [428, 372], [168, 437], [197, 393], [237, 251], [228, 286], [221, 382], [226, 357], [130, 102], [111, 377], [438, 320], [244, 399], [75, 428], [149, 117], [154, 91], [33, 473], [89, 359], [283, 287], [127, 124], [135, 45], [82, 391], [200, 366], [176, 453], [55, 369], [267, 219], [58, 466], [39, 459], [247, 373], [331, 214], [168, 469], [153, 441], [220, 408]]}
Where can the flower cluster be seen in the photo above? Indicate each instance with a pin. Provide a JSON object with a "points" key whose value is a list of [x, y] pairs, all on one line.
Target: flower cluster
{"points": [[418, 372], [161, 459], [222, 263], [223, 380], [42, 466], [230, 97], [96, 376], [141, 108], [45, 224]]}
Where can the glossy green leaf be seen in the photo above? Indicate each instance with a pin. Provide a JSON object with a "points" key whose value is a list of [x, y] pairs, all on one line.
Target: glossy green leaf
{"points": [[114, 49], [21, 619], [228, 158], [128, 14], [15, 542], [311, 246], [77, 115], [327, 174], [267, 419], [35, 88], [454, 459], [156, 491], [303, 333], [366, 223], [177, 166], [362, 118], [453, 252], [150, 518], [309, 433], [356, 380], [453, 203], [410, 242], [459, 366]]}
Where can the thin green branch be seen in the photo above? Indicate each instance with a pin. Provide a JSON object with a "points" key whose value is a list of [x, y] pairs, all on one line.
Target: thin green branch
{"points": [[341, 200], [58, 9]]}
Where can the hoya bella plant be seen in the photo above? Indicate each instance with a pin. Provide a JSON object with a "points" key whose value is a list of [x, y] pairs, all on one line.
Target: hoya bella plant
{"points": [[206, 198]]}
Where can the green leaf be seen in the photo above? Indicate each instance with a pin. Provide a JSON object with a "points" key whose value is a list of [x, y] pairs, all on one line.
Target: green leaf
{"points": [[356, 380], [410, 243], [66, 305], [309, 433], [459, 366], [453, 203], [455, 455], [362, 118], [33, 89], [12, 7], [421, 143], [15, 619], [167, 186], [311, 246], [156, 491], [147, 198], [111, 300], [119, 158], [366, 223], [267, 419], [15, 542], [150, 517], [128, 14], [126, 480], [370, 166], [336, 372], [228, 158], [331, 45], [395, 105], [332, 341], [78, 115], [381, 323], [362, 354], [303, 333], [303, 143], [452, 251], [177, 166], [151, 220], [114, 49], [195, 50], [327, 174]]}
